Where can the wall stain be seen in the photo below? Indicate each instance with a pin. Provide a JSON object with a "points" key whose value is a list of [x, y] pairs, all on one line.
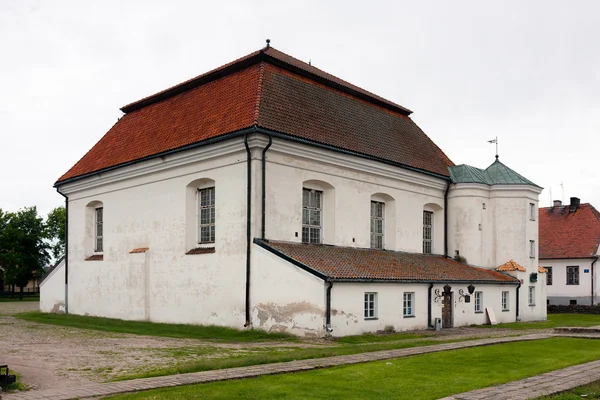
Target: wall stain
{"points": [[283, 316]]}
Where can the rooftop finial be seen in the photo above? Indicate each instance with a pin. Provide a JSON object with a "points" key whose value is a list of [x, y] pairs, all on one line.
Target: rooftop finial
{"points": [[496, 142], [268, 43]]}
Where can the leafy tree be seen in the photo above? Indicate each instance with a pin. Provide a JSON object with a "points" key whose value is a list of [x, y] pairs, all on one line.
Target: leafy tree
{"points": [[23, 246], [55, 224]]}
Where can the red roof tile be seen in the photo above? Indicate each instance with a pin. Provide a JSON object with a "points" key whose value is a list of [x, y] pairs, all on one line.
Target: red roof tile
{"points": [[565, 234], [511, 266], [347, 263], [270, 90], [139, 250]]}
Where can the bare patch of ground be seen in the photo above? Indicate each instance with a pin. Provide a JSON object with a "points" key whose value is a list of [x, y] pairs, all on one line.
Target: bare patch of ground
{"points": [[15, 307]]}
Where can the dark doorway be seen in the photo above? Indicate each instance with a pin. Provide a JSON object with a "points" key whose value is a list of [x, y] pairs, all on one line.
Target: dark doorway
{"points": [[447, 311]]}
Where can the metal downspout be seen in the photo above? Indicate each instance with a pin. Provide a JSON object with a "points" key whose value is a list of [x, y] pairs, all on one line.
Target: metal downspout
{"points": [[446, 219], [328, 327], [264, 185], [248, 226], [429, 324], [592, 268], [66, 250], [518, 290]]}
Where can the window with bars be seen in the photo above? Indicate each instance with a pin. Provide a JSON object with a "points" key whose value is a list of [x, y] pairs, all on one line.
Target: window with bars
{"points": [[532, 249], [505, 301], [572, 275], [427, 232], [312, 206], [377, 228], [99, 229], [370, 311], [478, 301], [532, 211], [532, 295], [206, 215], [549, 276], [408, 304]]}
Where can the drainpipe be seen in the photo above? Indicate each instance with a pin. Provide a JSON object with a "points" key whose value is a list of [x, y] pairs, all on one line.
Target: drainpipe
{"points": [[66, 251], [592, 268], [429, 324], [264, 185], [248, 227], [446, 220], [518, 290], [328, 327]]}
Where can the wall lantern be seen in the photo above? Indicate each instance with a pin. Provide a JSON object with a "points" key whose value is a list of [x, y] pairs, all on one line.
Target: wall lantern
{"points": [[447, 292], [463, 295], [533, 277]]}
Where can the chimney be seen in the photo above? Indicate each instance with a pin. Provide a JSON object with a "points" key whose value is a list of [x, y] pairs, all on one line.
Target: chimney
{"points": [[574, 204], [557, 203]]}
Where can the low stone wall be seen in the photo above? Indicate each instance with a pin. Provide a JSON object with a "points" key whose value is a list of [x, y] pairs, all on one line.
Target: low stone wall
{"points": [[574, 309]]}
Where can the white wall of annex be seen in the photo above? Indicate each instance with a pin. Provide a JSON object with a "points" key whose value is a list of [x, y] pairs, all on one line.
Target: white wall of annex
{"points": [[561, 293], [52, 290]]}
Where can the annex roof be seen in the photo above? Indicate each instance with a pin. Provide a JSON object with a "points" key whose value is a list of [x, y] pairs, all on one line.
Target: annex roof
{"points": [[273, 91], [569, 234], [511, 265], [353, 264], [542, 270], [496, 174]]}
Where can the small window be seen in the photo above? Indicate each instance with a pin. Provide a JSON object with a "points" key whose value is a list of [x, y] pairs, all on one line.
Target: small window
{"points": [[99, 229], [572, 302], [549, 276], [532, 295], [206, 215], [370, 305], [427, 232], [478, 301], [377, 228], [408, 305], [505, 301], [312, 206], [572, 275], [531, 211], [532, 249]]}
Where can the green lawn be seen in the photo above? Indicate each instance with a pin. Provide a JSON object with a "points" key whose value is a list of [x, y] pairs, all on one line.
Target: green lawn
{"points": [[428, 376], [591, 391], [16, 298], [203, 332], [554, 320]]}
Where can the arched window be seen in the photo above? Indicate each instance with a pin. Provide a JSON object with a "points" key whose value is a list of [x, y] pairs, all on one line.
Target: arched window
{"points": [[430, 233], [94, 229], [201, 213], [383, 221], [318, 212]]}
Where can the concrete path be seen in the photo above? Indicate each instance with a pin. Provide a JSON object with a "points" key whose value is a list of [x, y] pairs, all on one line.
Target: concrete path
{"points": [[135, 385], [536, 386]]}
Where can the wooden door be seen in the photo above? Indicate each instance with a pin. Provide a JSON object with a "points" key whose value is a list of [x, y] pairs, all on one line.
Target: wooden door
{"points": [[447, 311]]}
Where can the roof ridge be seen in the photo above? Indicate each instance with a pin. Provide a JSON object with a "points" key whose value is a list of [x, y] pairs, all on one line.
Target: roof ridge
{"points": [[259, 92]]}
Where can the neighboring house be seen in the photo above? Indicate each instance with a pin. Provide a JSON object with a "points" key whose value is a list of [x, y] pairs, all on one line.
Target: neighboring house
{"points": [[270, 194], [569, 238]]}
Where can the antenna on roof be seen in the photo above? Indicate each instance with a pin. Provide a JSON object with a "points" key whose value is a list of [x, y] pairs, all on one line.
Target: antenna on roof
{"points": [[268, 43], [496, 142], [309, 62]]}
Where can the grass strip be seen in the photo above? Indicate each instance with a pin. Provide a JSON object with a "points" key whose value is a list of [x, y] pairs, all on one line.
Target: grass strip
{"points": [[427, 376], [554, 321], [202, 332], [591, 391]]}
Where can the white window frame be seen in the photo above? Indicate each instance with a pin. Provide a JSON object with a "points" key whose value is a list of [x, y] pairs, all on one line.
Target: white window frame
{"points": [[532, 295], [427, 232], [532, 249], [575, 275], [549, 276], [408, 304], [370, 305], [99, 226], [308, 225], [374, 219], [212, 219], [532, 211], [478, 296], [505, 300]]}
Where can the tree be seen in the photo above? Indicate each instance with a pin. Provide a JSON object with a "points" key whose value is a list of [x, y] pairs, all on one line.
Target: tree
{"points": [[56, 223], [23, 246]]}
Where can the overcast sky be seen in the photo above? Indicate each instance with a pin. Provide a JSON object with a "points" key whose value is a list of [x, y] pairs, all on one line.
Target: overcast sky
{"points": [[527, 72]]}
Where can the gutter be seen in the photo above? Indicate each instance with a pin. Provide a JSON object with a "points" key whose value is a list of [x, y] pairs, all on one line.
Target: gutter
{"points": [[264, 185], [592, 268], [429, 324], [248, 226], [446, 218], [66, 250], [517, 318], [328, 328]]}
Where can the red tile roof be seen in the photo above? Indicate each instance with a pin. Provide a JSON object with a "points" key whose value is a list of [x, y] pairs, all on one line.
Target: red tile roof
{"points": [[348, 263], [270, 90], [565, 234], [542, 270], [139, 250], [511, 266]]}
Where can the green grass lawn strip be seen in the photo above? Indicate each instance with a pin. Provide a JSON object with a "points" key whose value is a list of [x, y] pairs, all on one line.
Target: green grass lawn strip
{"points": [[202, 332], [427, 376], [16, 298], [591, 391], [554, 321]]}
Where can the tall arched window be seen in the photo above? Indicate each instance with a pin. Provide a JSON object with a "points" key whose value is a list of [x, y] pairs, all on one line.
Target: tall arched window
{"points": [[383, 221], [430, 231], [94, 229], [201, 213], [318, 212]]}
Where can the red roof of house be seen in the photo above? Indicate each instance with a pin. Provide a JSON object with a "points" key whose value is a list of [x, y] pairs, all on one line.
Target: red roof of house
{"points": [[348, 263], [270, 90], [569, 234]]}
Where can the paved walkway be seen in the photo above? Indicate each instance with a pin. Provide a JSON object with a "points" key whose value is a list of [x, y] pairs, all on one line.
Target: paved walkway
{"points": [[536, 386]]}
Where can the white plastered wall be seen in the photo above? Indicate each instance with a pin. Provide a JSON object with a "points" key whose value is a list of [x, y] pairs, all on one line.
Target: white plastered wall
{"points": [[52, 290], [559, 293]]}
